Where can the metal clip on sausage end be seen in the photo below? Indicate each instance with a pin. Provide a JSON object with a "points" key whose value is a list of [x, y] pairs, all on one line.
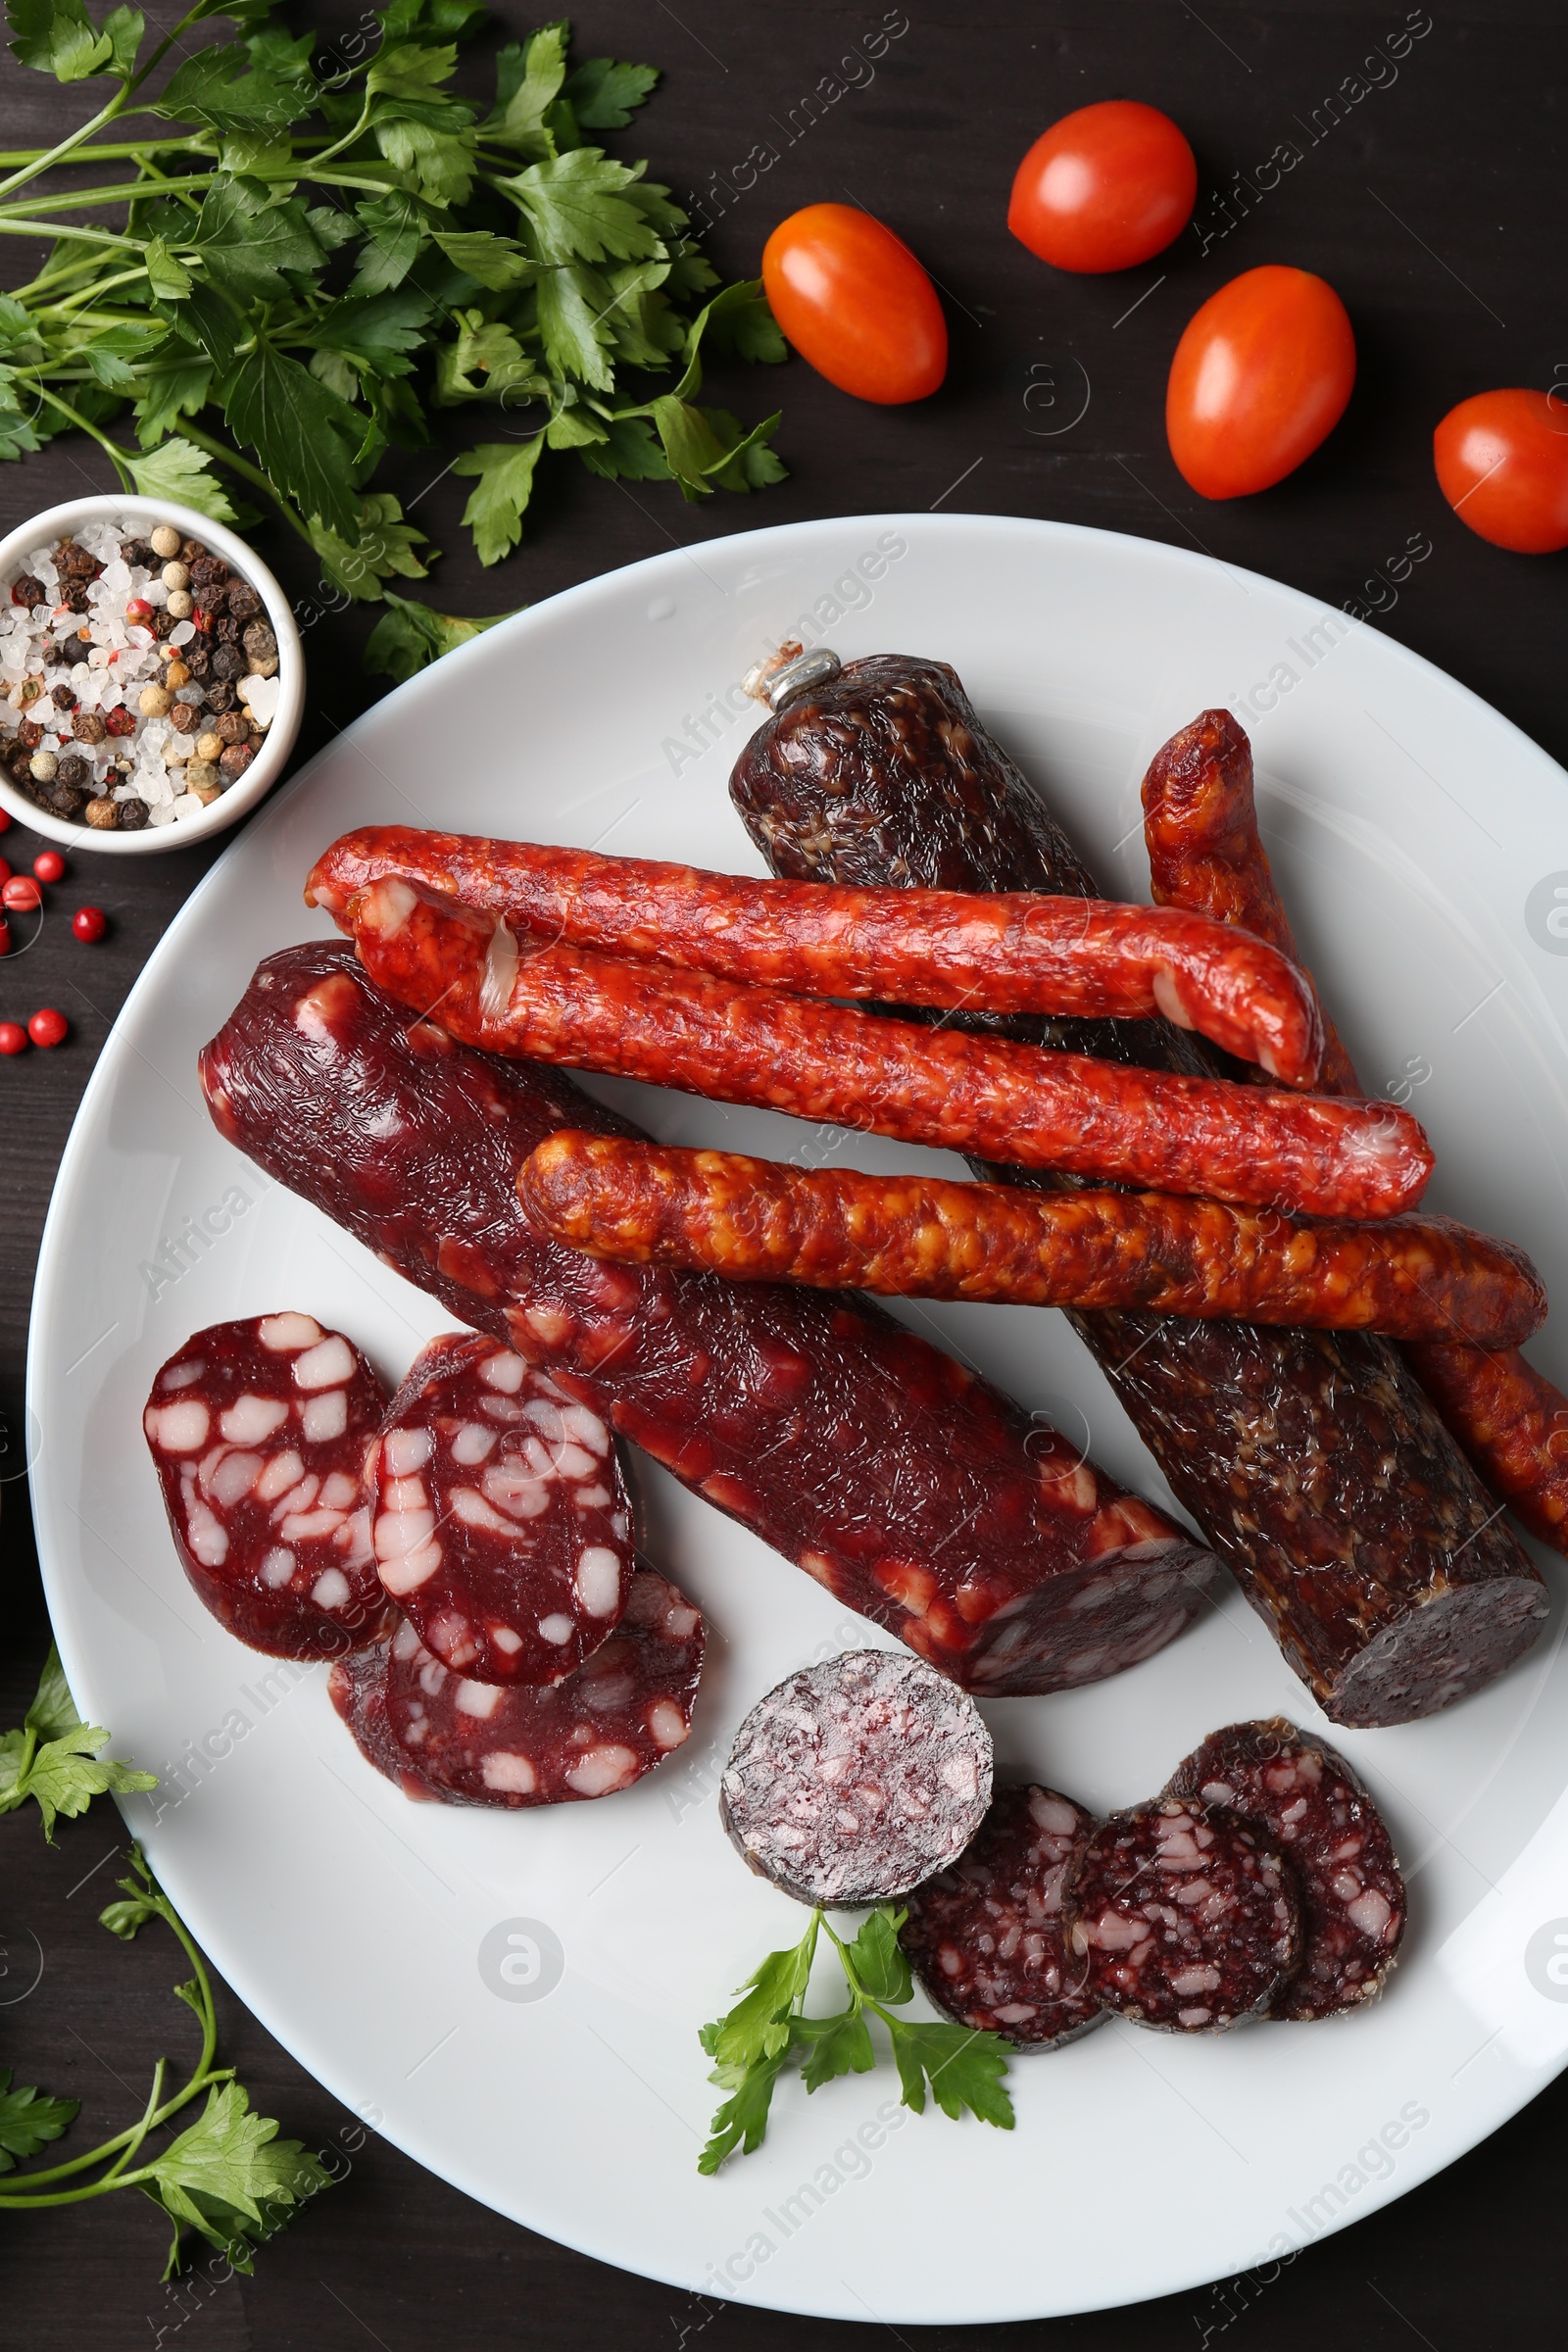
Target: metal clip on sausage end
{"points": [[789, 672]]}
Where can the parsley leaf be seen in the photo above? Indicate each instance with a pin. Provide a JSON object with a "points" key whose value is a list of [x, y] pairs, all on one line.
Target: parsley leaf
{"points": [[222, 88], [602, 93], [876, 1958], [504, 472], [574, 205], [53, 1711], [383, 547], [306, 436], [178, 469], [230, 2178], [52, 1758], [248, 241], [409, 636], [836, 2045], [28, 2121], [964, 2068], [59, 37], [528, 79]]}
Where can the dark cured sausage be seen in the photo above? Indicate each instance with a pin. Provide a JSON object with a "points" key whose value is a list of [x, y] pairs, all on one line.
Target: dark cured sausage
{"points": [[854, 1780], [625, 1710], [1313, 1460], [1204, 851], [985, 1937], [997, 954], [918, 1494], [1183, 1916], [731, 1041], [501, 1523], [920, 1237], [357, 1688], [1329, 1829], [259, 1430]]}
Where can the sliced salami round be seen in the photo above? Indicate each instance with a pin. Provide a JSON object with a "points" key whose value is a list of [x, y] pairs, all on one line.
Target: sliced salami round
{"points": [[259, 1430], [854, 1780], [1319, 1815], [357, 1688], [1185, 1914], [985, 1937], [625, 1709], [501, 1523]]}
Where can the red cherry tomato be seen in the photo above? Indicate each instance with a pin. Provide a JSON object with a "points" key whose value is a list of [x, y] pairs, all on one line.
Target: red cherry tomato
{"points": [[20, 895], [48, 1027], [1261, 375], [89, 924], [49, 866], [1503, 465], [12, 1037], [1106, 189], [855, 304]]}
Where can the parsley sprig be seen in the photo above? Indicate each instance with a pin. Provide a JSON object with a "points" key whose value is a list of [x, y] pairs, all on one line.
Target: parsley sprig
{"points": [[768, 2030], [226, 2178], [307, 252], [51, 1760]]}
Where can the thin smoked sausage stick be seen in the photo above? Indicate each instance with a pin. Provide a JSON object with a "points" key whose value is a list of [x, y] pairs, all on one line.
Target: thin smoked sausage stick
{"points": [[922, 1237], [1313, 1460], [1204, 853], [738, 1043], [994, 952]]}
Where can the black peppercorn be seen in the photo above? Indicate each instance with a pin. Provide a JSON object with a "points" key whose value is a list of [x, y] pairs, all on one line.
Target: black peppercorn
{"points": [[192, 552], [28, 592], [71, 771], [197, 655], [63, 698], [162, 622], [228, 661], [220, 695], [226, 629], [207, 574], [260, 643], [243, 602], [132, 815], [66, 799], [74, 598], [138, 553]]}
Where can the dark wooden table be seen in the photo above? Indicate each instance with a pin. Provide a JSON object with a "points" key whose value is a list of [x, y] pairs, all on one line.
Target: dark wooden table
{"points": [[1430, 193]]}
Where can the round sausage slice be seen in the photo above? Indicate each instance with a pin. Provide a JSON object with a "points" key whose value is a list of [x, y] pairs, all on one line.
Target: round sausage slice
{"points": [[985, 1937], [357, 1688], [623, 1712], [1184, 1915], [258, 1431], [855, 1781], [502, 1522], [1316, 1811]]}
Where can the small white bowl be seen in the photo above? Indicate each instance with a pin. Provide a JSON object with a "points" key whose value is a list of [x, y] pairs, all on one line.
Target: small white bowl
{"points": [[144, 515]]}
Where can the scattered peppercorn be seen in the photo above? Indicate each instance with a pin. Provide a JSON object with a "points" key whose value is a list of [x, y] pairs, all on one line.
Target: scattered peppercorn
{"points": [[48, 1027], [231, 728], [130, 815], [119, 720], [20, 895], [165, 541], [63, 698], [220, 695], [89, 726], [89, 924], [103, 815], [73, 770], [30, 733], [65, 800], [28, 592], [49, 866], [45, 766], [12, 1037], [208, 573], [235, 760]]}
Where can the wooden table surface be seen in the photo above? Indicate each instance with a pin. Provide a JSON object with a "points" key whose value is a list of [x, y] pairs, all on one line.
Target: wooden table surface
{"points": [[1432, 196]]}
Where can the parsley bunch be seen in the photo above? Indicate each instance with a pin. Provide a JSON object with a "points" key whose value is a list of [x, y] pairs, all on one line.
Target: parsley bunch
{"points": [[227, 2176], [768, 2030], [309, 254]]}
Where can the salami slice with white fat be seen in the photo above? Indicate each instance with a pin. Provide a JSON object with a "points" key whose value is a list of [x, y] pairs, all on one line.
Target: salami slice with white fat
{"points": [[357, 1688], [854, 1780], [985, 1937], [1317, 1812], [625, 1709], [1186, 1916], [502, 1524], [258, 1431]]}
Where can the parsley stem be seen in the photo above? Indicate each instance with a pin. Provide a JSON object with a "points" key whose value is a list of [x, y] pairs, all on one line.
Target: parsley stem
{"points": [[251, 473], [11, 227], [127, 192], [62, 152]]}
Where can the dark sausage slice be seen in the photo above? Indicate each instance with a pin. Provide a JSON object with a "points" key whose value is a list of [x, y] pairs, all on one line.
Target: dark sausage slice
{"points": [[625, 1710], [357, 1688], [1323, 1821], [259, 1430], [502, 1522], [854, 1780], [985, 1936], [1311, 1459], [1183, 1915], [918, 1494]]}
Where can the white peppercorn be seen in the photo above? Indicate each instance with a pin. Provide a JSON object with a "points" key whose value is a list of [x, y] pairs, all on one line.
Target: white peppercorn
{"points": [[165, 541]]}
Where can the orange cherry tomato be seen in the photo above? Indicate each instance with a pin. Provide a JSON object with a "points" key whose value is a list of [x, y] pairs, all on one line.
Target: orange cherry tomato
{"points": [[1261, 375], [1106, 189], [855, 304], [1503, 465]]}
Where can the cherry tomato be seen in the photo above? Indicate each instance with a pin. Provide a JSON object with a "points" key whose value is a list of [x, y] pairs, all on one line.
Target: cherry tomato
{"points": [[1106, 189], [89, 924], [1261, 376], [48, 1027], [1503, 465], [20, 895], [855, 304], [12, 1037], [49, 866]]}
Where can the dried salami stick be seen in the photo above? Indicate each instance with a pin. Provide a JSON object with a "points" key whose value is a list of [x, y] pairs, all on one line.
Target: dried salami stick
{"points": [[1313, 1460], [736, 1043], [919, 1496], [1206, 853], [920, 1237], [992, 953]]}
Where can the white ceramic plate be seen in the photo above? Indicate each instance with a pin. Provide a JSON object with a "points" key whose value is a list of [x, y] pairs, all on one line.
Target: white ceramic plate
{"points": [[557, 2077]]}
